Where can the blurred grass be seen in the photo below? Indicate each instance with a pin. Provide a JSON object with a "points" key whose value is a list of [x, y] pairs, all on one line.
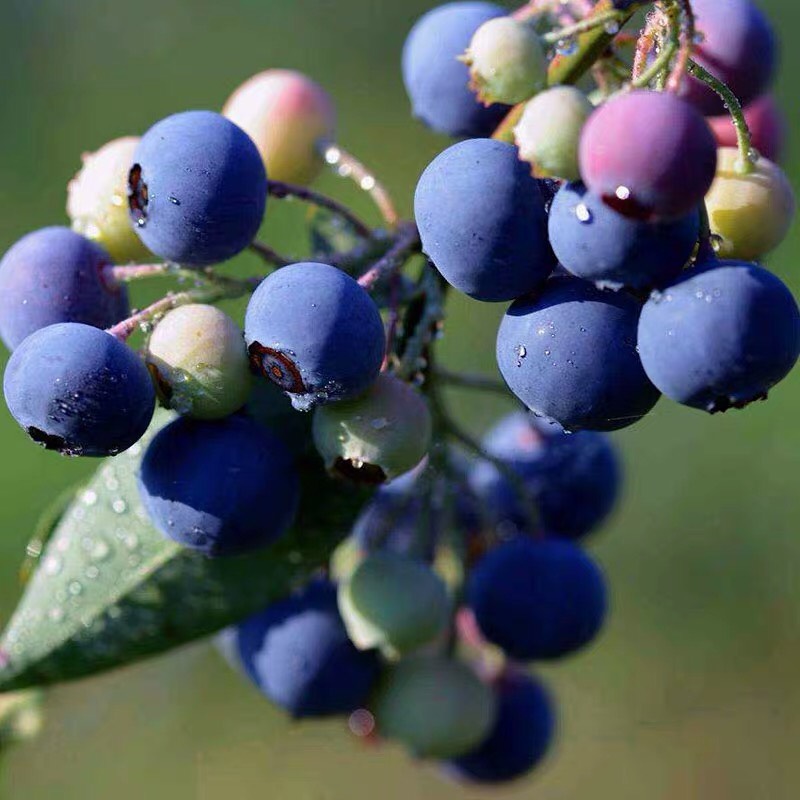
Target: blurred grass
{"points": [[691, 695]]}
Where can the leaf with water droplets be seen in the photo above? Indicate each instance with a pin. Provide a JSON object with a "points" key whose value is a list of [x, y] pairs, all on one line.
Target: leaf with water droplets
{"points": [[108, 589]]}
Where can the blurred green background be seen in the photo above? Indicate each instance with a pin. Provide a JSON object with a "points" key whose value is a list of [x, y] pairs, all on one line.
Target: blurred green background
{"points": [[692, 693]]}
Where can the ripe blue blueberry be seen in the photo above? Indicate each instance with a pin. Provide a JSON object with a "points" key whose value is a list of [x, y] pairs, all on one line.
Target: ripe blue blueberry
{"points": [[311, 329], [221, 487], [197, 188], [598, 244], [56, 275], [538, 599], [482, 221], [721, 336], [520, 738], [436, 81], [569, 354], [297, 653], [574, 480], [78, 390]]}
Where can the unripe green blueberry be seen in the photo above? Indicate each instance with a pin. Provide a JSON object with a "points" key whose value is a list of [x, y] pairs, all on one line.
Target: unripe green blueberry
{"points": [[507, 61], [750, 213], [436, 706], [287, 115], [199, 361], [375, 437], [549, 131], [97, 201], [394, 603]]}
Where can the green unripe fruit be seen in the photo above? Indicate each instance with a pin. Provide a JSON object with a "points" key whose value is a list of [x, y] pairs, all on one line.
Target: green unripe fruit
{"points": [[750, 213], [437, 707], [287, 115], [97, 201], [549, 131], [394, 603], [376, 437], [507, 61], [345, 560], [199, 361]]}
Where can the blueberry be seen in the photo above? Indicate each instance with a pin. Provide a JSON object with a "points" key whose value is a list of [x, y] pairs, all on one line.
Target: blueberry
{"points": [[482, 221], [574, 480], [436, 81], [311, 329], [569, 354], [78, 390], [197, 188], [297, 653], [220, 487], [520, 738], [56, 275], [721, 336], [598, 244], [538, 600]]}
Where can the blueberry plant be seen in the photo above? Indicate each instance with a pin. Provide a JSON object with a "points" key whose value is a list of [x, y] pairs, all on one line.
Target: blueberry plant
{"points": [[597, 189]]}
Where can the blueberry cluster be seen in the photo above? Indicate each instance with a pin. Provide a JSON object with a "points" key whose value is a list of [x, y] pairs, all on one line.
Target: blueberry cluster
{"points": [[620, 225]]}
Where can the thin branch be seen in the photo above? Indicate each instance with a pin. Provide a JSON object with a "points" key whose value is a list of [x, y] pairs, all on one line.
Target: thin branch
{"points": [[407, 241], [468, 380], [269, 255], [282, 190], [686, 35], [610, 18], [348, 166]]}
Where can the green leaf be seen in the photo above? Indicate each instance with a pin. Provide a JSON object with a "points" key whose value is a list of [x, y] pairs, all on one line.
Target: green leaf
{"points": [[109, 589]]}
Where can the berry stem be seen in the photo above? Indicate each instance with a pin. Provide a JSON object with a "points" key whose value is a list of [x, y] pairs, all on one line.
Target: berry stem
{"points": [[348, 166], [659, 64], [269, 255], [282, 190], [113, 274], [412, 360], [746, 161], [682, 9], [705, 248], [469, 380], [406, 242], [610, 17]]}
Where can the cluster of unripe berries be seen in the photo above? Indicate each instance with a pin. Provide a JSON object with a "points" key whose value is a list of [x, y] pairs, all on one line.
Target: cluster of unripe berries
{"points": [[621, 226]]}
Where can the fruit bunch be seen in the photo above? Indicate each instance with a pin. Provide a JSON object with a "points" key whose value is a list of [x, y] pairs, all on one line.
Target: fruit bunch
{"points": [[620, 220]]}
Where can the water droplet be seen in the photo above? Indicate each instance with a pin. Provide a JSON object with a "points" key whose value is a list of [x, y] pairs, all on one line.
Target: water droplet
{"points": [[611, 28], [367, 183], [333, 155], [75, 588], [101, 551], [92, 572], [174, 200], [583, 213], [89, 498], [119, 506], [56, 614], [380, 423], [623, 192], [52, 565]]}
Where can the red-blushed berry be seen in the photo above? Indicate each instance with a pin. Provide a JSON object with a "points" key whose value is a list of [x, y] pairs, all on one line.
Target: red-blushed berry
{"points": [[648, 155], [767, 126], [289, 117]]}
